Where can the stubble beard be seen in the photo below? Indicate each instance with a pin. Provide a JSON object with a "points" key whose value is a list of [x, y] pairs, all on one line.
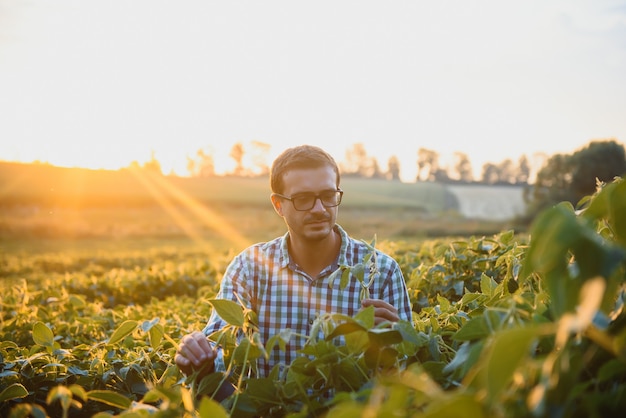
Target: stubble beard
{"points": [[315, 232]]}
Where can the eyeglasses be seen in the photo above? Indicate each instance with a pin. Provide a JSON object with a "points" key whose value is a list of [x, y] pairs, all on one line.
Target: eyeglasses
{"points": [[306, 201]]}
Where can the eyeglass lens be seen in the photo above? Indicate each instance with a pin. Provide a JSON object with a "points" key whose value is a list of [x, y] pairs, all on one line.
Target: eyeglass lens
{"points": [[307, 201]]}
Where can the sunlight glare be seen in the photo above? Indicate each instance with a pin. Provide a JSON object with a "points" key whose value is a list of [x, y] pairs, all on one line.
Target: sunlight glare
{"points": [[163, 191]]}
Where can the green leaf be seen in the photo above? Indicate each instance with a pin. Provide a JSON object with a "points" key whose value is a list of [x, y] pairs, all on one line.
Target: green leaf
{"points": [[229, 311], [461, 356], [110, 398], [358, 271], [470, 297], [77, 301], [210, 383], [348, 409], [14, 391], [552, 233], [263, 390], [504, 355], [42, 335], [376, 357], [211, 409], [372, 243], [410, 334], [474, 329], [351, 373], [457, 405], [345, 278], [60, 393], [333, 276], [156, 335], [506, 237], [612, 369], [345, 328], [617, 215], [610, 204], [487, 285], [384, 336], [366, 317], [281, 339], [78, 392], [246, 351], [8, 344], [123, 330], [555, 232]]}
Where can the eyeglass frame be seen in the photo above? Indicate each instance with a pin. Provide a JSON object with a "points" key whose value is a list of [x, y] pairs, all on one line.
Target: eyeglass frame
{"points": [[316, 197]]}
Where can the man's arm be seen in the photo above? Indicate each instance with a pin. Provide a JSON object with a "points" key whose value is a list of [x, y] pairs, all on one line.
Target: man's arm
{"points": [[392, 302], [195, 349]]}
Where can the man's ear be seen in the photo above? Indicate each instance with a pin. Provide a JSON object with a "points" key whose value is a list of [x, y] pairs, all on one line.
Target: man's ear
{"points": [[277, 203]]}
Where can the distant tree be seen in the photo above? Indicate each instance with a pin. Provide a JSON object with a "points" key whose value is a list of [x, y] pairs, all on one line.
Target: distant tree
{"points": [[427, 164], [538, 160], [491, 173], [237, 153], [572, 177], [259, 157], [153, 165], [523, 170], [203, 165], [440, 175], [507, 172], [191, 167], [355, 160], [463, 167], [359, 164], [504, 172], [551, 185], [374, 170], [602, 160], [393, 168]]}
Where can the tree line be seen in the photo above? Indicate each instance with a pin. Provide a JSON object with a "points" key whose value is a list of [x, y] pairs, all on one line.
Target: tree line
{"points": [[572, 177], [359, 163], [561, 177]]}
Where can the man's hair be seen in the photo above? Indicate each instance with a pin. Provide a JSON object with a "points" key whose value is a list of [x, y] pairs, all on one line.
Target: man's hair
{"points": [[302, 156]]}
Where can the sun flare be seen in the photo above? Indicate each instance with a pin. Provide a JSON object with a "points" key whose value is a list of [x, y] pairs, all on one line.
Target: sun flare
{"points": [[171, 199]]}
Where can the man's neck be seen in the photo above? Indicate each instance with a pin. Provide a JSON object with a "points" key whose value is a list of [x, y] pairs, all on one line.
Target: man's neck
{"points": [[314, 256]]}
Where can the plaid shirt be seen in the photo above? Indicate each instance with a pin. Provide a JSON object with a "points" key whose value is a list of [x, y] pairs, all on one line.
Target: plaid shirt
{"points": [[285, 297]]}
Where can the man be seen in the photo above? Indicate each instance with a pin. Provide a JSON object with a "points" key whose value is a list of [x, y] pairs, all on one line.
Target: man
{"points": [[285, 281]]}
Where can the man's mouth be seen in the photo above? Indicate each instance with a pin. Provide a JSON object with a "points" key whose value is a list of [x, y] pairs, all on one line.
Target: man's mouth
{"points": [[318, 221]]}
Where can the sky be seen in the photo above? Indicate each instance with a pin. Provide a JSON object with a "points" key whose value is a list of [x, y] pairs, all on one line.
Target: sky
{"points": [[99, 84]]}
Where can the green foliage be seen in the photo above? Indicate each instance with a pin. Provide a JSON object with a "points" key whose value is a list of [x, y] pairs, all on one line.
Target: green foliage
{"points": [[569, 178], [54, 338], [119, 279], [503, 326]]}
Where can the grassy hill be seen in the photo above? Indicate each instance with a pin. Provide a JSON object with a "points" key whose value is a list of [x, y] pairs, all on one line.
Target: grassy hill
{"points": [[49, 186], [44, 201]]}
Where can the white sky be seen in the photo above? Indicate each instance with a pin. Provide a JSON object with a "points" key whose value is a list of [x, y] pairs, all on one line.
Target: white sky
{"points": [[98, 84]]}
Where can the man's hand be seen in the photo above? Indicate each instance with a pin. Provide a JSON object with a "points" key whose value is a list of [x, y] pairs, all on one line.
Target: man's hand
{"points": [[194, 352], [383, 311]]}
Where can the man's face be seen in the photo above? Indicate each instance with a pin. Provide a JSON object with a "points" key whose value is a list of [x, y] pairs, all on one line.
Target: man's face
{"points": [[316, 223]]}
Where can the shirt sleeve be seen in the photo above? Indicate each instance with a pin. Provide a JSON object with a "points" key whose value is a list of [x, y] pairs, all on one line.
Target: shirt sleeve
{"points": [[233, 283], [393, 289]]}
